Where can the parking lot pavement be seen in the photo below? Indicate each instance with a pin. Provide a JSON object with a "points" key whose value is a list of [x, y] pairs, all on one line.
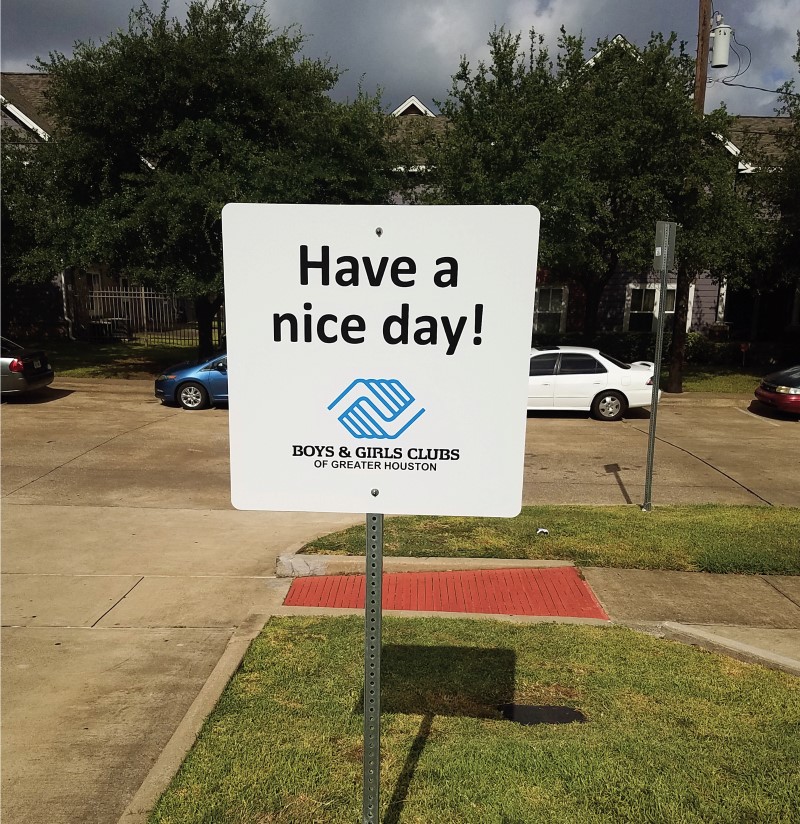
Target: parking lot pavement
{"points": [[126, 570], [759, 447], [709, 449]]}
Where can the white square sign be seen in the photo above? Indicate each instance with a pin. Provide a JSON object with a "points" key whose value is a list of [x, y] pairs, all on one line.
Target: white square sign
{"points": [[378, 356]]}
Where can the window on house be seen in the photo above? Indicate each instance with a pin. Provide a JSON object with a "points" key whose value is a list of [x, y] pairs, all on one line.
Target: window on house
{"points": [[550, 311], [644, 307]]}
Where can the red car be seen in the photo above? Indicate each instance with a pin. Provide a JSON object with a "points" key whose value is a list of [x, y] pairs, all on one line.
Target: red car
{"points": [[781, 390]]}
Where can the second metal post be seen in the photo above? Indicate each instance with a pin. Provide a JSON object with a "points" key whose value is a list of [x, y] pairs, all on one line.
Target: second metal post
{"points": [[372, 670]]}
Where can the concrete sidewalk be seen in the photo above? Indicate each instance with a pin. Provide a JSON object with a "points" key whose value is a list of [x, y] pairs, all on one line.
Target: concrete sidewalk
{"points": [[752, 617]]}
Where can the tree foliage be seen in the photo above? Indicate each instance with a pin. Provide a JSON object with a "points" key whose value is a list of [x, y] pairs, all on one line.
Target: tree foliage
{"points": [[163, 123], [781, 186], [604, 147]]}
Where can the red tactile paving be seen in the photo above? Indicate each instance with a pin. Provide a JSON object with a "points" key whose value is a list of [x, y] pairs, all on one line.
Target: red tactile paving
{"points": [[557, 591]]}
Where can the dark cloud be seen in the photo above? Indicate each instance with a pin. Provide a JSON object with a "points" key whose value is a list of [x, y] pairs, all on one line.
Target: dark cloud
{"points": [[414, 46], [34, 28]]}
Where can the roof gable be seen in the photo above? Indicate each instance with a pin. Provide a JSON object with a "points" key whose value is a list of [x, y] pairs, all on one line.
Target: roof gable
{"points": [[413, 107]]}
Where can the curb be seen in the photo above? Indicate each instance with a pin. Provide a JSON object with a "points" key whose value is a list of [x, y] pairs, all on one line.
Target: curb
{"points": [[337, 612], [173, 754], [290, 565], [727, 646]]}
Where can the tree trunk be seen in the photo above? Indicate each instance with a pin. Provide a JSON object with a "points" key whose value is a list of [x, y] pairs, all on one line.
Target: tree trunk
{"points": [[590, 312], [593, 290], [678, 349], [206, 309]]}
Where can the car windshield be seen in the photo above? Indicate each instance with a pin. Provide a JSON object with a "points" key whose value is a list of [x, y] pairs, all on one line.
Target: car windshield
{"points": [[615, 361]]}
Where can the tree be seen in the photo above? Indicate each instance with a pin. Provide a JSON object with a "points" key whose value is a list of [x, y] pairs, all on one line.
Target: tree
{"points": [[788, 177], [778, 186], [721, 232], [604, 147], [163, 123], [32, 304]]}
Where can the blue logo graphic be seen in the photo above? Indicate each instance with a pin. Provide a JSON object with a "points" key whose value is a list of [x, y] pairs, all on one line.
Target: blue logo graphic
{"points": [[376, 408]]}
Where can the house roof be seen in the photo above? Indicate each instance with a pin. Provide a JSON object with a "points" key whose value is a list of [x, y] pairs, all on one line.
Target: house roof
{"points": [[24, 105], [763, 133], [417, 124], [24, 102]]}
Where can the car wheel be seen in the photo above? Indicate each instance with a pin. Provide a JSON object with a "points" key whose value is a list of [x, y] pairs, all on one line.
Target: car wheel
{"points": [[609, 406], [192, 395]]}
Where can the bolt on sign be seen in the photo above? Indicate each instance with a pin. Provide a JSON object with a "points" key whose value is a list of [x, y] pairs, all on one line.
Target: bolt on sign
{"points": [[378, 356]]}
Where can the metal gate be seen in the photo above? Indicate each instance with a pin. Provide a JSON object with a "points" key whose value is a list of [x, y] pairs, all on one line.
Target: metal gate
{"points": [[144, 314]]}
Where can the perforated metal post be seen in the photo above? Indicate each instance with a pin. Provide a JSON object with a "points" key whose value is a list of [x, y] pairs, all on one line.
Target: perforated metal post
{"points": [[665, 235], [372, 671]]}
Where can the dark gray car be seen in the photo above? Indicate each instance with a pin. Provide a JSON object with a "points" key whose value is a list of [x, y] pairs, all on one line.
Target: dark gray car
{"points": [[23, 370]]}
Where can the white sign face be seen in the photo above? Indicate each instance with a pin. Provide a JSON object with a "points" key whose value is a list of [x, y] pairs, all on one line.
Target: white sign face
{"points": [[378, 356]]}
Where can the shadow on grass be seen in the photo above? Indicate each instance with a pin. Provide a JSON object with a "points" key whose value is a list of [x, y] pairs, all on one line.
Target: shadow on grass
{"points": [[469, 682], [430, 681]]}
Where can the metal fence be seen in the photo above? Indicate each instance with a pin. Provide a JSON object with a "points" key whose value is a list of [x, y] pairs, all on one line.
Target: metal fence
{"points": [[144, 314]]}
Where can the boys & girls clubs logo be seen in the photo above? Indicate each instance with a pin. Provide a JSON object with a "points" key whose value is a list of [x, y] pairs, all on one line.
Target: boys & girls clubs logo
{"points": [[376, 408]]}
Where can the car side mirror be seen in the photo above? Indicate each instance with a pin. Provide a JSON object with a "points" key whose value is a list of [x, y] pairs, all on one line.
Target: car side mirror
{"points": [[222, 367]]}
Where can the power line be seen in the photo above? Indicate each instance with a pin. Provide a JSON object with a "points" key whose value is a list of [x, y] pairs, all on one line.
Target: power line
{"points": [[760, 88]]}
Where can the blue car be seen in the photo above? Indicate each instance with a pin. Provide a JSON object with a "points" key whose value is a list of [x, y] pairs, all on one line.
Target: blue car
{"points": [[196, 384]]}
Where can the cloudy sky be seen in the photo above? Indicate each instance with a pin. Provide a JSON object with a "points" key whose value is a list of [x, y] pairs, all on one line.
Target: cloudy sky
{"points": [[410, 47]]}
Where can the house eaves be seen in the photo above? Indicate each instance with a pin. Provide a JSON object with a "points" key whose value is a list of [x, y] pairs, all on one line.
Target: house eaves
{"points": [[23, 102], [619, 40], [22, 118], [742, 167]]}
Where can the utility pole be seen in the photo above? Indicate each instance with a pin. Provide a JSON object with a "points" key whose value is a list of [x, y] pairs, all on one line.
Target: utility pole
{"points": [[701, 65]]}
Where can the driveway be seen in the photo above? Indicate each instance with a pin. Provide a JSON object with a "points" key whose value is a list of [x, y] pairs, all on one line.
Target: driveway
{"points": [[126, 570]]}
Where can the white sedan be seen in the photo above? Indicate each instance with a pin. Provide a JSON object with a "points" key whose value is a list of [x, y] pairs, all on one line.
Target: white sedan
{"points": [[579, 378]]}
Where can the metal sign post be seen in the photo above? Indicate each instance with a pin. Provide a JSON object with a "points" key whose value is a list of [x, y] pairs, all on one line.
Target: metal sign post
{"points": [[663, 262], [372, 671]]}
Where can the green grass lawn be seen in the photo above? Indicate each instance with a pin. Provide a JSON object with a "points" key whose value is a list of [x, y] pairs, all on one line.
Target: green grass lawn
{"points": [[711, 538], [137, 359], [674, 735], [739, 380]]}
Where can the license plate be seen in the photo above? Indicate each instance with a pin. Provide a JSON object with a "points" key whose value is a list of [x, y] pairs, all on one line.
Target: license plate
{"points": [[37, 364]]}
